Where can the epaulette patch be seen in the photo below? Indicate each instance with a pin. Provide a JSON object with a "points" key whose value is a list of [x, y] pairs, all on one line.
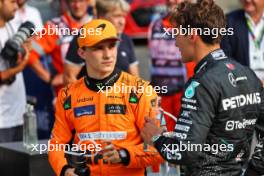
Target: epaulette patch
{"points": [[67, 103]]}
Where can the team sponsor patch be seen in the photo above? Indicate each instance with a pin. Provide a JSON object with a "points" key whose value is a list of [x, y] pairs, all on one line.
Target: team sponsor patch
{"points": [[115, 97], [190, 91], [84, 110], [230, 66], [67, 103], [180, 135], [235, 125], [185, 121], [185, 114], [218, 54], [182, 127], [189, 100], [85, 99], [115, 109], [241, 100], [188, 106], [232, 79], [133, 98], [103, 135]]}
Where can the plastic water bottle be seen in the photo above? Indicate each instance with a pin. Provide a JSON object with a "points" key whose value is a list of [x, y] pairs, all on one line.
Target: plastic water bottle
{"points": [[30, 127]]}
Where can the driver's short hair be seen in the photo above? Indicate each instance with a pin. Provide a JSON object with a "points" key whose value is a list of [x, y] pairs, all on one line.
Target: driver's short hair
{"points": [[204, 14]]}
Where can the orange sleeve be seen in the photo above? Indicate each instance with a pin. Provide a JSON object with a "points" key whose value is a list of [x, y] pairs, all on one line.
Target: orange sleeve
{"points": [[61, 134], [138, 157], [190, 69], [44, 43], [33, 57]]}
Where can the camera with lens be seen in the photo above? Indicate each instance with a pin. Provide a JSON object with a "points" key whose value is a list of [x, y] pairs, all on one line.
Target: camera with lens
{"points": [[13, 46]]}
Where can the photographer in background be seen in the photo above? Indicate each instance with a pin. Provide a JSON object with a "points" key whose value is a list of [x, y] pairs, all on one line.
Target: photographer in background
{"points": [[12, 93]]}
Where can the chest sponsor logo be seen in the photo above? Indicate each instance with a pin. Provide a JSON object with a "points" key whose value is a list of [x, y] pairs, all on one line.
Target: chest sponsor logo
{"points": [[190, 91], [115, 109], [241, 100], [232, 79], [115, 97], [235, 125], [85, 99], [84, 110], [103, 135]]}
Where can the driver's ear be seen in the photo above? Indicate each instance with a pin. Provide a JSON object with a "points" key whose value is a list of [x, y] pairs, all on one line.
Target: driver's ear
{"points": [[81, 52], [194, 35]]}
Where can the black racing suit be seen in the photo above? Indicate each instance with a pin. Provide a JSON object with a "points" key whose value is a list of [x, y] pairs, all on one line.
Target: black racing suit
{"points": [[221, 106]]}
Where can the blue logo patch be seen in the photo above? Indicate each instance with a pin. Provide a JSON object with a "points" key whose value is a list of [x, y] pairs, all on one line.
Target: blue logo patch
{"points": [[84, 110], [190, 91]]}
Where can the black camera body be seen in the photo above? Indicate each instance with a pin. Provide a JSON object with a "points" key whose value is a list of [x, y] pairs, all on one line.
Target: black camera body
{"points": [[13, 46]]}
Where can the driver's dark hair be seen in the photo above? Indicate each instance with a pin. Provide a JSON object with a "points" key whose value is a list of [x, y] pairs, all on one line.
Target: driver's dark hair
{"points": [[202, 14]]}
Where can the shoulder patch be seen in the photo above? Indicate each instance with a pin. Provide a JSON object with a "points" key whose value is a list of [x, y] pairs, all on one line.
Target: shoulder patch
{"points": [[133, 98], [190, 91], [67, 103]]}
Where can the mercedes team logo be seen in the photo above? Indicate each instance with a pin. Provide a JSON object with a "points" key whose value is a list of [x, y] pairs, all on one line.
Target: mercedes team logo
{"points": [[232, 79]]}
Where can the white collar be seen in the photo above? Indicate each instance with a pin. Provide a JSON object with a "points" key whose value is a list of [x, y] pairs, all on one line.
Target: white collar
{"points": [[251, 20]]}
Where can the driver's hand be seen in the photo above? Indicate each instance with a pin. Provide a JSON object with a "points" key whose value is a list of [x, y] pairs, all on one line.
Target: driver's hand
{"points": [[110, 153]]}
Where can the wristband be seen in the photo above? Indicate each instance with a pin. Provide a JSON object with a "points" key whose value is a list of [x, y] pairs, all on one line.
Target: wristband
{"points": [[124, 156]]}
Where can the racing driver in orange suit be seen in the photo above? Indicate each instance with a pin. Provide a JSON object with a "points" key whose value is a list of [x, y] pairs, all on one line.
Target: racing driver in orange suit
{"points": [[90, 109]]}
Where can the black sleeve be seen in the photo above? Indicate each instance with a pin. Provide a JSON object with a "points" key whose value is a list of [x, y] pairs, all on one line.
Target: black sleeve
{"points": [[197, 113], [256, 164], [72, 55]]}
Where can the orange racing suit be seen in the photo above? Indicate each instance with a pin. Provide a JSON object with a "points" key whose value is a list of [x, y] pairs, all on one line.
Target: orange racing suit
{"points": [[98, 115]]}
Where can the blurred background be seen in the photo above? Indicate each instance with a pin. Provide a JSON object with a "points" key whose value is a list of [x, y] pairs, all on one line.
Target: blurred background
{"points": [[142, 12]]}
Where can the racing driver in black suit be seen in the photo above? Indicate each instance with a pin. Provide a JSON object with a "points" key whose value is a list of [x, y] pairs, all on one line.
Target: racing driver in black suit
{"points": [[221, 107]]}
